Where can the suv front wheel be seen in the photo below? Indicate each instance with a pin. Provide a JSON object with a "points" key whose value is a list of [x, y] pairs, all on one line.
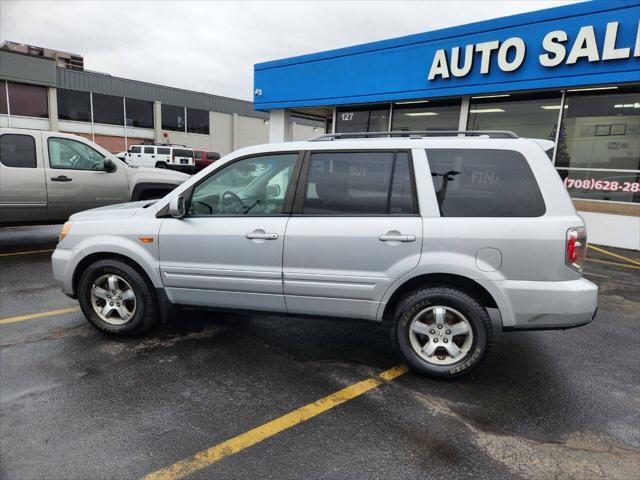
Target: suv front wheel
{"points": [[442, 332]]}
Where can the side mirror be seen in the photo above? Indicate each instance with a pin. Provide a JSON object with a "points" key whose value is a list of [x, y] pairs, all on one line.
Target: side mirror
{"points": [[109, 165], [176, 207], [273, 191]]}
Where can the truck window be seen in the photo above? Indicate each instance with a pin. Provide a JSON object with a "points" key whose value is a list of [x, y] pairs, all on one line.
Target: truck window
{"points": [[484, 183], [135, 150], [17, 151], [149, 150]]}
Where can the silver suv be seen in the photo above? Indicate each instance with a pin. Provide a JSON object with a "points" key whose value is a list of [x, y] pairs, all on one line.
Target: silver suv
{"points": [[450, 239], [47, 176]]}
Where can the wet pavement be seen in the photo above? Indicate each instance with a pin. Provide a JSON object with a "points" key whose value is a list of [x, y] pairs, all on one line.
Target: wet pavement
{"points": [[77, 404]]}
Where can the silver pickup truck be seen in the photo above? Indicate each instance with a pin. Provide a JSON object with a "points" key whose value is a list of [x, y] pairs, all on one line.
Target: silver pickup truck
{"points": [[47, 176]]}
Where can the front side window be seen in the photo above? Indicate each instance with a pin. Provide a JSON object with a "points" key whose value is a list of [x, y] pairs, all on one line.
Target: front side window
{"points": [[359, 183], [251, 186], [73, 155], [135, 149], [17, 151], [484, 183]]}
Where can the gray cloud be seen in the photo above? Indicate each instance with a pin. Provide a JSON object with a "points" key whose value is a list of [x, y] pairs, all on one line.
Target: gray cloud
{"points": [[212, 46]]}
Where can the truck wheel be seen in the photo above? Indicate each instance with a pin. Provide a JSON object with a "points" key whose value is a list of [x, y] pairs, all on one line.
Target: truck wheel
{"points": [[442, 332], [161, 165], [116, 299]]}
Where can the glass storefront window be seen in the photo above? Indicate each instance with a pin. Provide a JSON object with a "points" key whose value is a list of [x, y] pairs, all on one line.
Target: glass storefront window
{"points": [[108, 109], [74, 105], [531, 115], [197, 121], [601, 130], [3, 98], [359, 119], [602, 185], [139, 113], [28, 100], [426, 115], [172, 118]]}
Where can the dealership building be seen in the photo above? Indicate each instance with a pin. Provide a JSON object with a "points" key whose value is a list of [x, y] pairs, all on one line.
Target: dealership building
{"points": [[569, 74], [50, 90]]}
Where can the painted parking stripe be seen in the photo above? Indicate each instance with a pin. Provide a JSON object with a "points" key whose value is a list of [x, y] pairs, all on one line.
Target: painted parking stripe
{"points": [[614, 255], [29, 252], [34, 316], [607, 262], [245, 440]]}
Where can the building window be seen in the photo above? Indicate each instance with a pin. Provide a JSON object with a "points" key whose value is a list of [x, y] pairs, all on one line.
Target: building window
{"points": [[3, 98], [74, 105], [173, 118], [598, 153], [532, 116], [108, 109], [426, 115], [359, 119], [197, 121], [28, 100], [139, 113], [18, 151]]}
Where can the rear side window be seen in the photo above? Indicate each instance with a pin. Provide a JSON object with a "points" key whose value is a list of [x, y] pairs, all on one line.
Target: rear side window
{"points": [[17, 151], [135, 150], [149, 150], [359, 183], [163, 151], [484, 183], [183, 153]]}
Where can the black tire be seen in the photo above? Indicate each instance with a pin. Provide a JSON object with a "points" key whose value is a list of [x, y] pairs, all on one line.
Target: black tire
{"points": [[416, 301], [161, 165], [146, 311]]}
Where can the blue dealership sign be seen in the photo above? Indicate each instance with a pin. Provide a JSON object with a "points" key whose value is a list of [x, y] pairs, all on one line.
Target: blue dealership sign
{"points": [[594, 43]]}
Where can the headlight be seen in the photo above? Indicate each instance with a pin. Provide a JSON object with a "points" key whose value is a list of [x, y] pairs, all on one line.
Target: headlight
{"points": [[66, 228]]}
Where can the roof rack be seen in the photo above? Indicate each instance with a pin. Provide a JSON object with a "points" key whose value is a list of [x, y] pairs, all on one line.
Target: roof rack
{"points": [[416, 134]]}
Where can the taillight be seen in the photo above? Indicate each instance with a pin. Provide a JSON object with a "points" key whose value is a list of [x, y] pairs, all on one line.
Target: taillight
{"points": [[576, 247]]}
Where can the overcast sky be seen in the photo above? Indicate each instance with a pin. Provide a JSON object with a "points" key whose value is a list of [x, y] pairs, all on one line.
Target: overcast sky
{"points": [[211, 46]]}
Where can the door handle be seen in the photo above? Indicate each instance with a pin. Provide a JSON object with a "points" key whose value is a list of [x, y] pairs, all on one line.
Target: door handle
{"points": [[397, 238], [261, 236], [61, 178]]}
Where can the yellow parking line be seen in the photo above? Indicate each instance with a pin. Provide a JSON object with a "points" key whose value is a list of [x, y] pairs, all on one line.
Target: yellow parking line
{"points": [[615, 255], [25, 253], [245, 440], [612, 263], [33, 316]]}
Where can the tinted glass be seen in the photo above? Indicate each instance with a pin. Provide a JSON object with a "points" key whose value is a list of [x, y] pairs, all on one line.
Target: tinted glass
{"points": [[431, 115], [213, 156], [139, 113], [108, 109], [172, 118], [74, 105], [484, 183], [358, 183], [252, 186], [602, 185], [17, 151], [28, 100], [135, 149], [182, 153], [375, 119], [197, 121], [3, 98], [532, 116], [163, 151], [71, 154], [149, 150]]}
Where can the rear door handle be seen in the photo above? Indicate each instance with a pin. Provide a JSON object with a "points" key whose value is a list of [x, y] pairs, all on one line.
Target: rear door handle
{"points": [[61, 178], [397, 238], [261, 236]]}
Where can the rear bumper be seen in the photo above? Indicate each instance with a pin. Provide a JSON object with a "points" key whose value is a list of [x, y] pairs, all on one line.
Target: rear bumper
{"points": [[548, 305]]}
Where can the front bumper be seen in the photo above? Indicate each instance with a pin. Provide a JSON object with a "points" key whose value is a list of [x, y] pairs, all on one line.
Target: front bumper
{"points": [[549, 305], [62, 268]]}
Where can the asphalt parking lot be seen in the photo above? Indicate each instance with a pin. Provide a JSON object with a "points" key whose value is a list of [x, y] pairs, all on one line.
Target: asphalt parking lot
{"points": [[77, 404]]}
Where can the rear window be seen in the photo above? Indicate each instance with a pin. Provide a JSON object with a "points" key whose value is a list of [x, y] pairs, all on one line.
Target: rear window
{"points": [[183, 153], [484, 183], [163, 151], [213, 156]]}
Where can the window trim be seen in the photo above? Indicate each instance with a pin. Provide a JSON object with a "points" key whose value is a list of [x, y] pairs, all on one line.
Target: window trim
{"points": [[75, 169], [298, 202], [288, 198], [35, 151]]}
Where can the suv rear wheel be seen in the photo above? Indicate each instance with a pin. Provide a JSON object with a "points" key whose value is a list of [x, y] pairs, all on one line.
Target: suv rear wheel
{"points": [[442, 332], [116, 299]]}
